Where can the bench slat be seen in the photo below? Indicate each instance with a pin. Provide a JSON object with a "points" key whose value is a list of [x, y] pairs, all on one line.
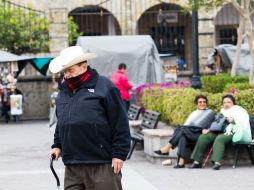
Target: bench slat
{"points": [[149, 121]]}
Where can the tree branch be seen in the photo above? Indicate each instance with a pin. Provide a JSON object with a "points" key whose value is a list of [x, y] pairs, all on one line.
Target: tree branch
{"points": [[238, 7], [252, 11]]}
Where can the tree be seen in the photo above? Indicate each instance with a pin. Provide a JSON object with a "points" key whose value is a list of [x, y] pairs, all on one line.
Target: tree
{"points": [[22, 31], [73, 33], [245, 29]]}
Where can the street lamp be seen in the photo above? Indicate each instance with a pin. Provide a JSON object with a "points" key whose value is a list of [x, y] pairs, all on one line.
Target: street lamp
{"points": [[195, 56]]}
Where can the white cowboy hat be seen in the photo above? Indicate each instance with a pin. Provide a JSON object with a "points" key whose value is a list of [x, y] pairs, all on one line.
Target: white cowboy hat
{"points": [[69, 57]]}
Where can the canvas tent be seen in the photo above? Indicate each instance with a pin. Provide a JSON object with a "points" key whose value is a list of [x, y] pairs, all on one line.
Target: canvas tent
{"points": [[227, 53], [139, 53]]}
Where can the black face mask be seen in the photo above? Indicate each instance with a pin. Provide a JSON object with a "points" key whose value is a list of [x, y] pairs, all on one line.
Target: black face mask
{"points": [[75, 79], [75, 82]]}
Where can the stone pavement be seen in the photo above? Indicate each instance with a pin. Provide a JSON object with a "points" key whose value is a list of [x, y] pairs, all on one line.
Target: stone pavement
{"points": [[24, 166]]}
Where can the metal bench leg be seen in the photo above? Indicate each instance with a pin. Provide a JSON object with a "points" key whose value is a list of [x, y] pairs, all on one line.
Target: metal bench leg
{"points": [[236, 156], [133, 144], [250, 154]]}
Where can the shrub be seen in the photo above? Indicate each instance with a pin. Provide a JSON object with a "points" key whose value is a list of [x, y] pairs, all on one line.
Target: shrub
{"points": [[235, 87], [217, 83], [245, 99], [176, 104], [139, 91]]}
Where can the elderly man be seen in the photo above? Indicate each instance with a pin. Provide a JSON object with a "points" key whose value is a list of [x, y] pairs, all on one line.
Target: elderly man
{"points": [[92, 133]]}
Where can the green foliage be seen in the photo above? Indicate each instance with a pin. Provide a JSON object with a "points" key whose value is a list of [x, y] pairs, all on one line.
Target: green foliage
{"points": [[176, 104], [245, 99], [217, 83], [73, 33], [206, 4], [22, 32], [235, 87]]}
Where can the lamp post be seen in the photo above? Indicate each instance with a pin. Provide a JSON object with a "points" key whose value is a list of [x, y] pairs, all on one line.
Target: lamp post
{"points": [[195, 56]]}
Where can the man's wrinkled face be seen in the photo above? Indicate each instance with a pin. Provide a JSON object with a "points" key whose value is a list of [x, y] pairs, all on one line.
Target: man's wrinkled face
{"points": [[75, 70]]}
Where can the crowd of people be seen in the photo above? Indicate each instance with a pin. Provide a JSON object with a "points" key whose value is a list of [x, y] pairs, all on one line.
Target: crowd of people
{"points": [[7, 88]]}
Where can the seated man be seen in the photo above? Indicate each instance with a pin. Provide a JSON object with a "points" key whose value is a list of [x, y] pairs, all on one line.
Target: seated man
{"points": [[197, 122]]}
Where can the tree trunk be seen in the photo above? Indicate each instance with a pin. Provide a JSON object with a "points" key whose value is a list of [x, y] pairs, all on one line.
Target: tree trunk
{"points": [[240, 30], [245, 21], [248, 28], [250, 42]]}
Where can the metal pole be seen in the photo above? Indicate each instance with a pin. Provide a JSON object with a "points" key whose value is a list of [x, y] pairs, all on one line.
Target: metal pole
{"points": [[195, 56]]}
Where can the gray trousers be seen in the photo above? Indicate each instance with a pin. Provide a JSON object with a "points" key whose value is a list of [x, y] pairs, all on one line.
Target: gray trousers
{"points": [[183, 135], [91, 177]]}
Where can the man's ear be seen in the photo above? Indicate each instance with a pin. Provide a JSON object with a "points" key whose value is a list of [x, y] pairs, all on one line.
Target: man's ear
{"points": [[84, 66]]}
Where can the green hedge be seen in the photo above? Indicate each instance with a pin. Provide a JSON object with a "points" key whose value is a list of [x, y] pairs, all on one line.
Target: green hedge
{"points": [[176, 104], [235, 87], [217, 83]]}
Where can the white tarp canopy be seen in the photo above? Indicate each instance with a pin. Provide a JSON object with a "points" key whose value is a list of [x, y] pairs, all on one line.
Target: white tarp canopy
{"points": [[139, 53], [10, 57], [228, 55]]}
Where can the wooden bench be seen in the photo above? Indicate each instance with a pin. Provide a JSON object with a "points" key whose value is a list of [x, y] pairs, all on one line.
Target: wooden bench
{"points": [[245, 145], [149, 121]]}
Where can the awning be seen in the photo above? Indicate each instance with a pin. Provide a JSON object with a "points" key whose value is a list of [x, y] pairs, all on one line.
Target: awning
{"points": [[40, 64], [10, 57]]}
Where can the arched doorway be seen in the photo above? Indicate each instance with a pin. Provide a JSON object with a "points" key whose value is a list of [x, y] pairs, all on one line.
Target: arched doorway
{"points": [[169, 28], [94, 20], [226, 23]]}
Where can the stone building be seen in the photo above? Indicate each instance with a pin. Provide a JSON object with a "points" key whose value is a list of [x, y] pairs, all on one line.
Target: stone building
{"points": [[163, 20]]}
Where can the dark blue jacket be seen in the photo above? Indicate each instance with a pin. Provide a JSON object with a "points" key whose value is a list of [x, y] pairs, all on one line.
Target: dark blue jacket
{"points": [[92, 123]]}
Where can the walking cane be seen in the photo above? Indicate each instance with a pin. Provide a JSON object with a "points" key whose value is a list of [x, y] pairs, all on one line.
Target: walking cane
{"points": [[54, 172], [207, 157]]}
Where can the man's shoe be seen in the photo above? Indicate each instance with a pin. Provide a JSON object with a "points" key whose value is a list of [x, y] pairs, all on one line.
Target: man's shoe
{"points": [[216, 166], [160, 153], [194, 166], [177, 166]]}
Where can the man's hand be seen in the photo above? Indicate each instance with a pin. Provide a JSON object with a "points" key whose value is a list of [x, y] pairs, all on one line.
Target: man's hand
{"points": [[55, 152], [205, 131], [117, 164]]}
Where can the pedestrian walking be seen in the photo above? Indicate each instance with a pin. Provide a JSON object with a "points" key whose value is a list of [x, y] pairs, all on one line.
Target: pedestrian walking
{"points": [[92, 133], [120, 79]]}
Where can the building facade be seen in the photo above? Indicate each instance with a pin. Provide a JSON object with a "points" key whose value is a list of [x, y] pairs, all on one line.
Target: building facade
{"points": [[163, 20]]}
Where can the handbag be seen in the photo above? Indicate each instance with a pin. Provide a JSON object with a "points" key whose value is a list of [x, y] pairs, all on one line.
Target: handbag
{"points": [[219, 124]]}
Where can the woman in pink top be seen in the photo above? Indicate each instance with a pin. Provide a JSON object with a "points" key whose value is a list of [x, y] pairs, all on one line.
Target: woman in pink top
{"points": [[120, 79]]}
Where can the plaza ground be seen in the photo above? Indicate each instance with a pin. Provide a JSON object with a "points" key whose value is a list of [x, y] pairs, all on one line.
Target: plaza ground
{"points": [[24, 165]]}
